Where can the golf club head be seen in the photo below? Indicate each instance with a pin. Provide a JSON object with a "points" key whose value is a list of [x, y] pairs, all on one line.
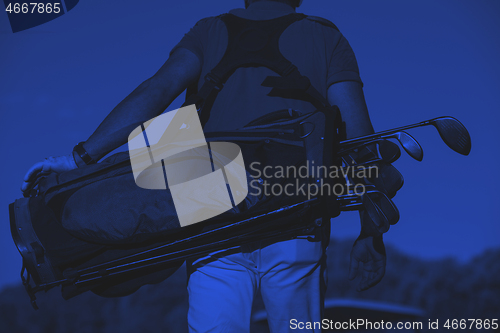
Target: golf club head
{"points": [[375, 214], [389, 180], [410, 145], [386, 151], [453, 133], [386, 210], [389, 151]]}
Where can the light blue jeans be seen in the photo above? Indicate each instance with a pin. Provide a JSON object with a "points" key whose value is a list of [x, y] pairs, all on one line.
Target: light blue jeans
{"points": [[290, 274]]}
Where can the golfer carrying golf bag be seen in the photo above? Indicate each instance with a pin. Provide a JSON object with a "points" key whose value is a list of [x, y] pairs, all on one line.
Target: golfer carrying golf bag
{"points": [[235, 92]]}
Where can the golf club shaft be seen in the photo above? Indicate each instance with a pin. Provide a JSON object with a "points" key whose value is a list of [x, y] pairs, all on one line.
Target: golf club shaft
{"points": [[346, 143]]}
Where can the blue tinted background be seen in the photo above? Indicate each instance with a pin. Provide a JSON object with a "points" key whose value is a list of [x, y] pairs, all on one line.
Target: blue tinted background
{"points": [[418, 60]]}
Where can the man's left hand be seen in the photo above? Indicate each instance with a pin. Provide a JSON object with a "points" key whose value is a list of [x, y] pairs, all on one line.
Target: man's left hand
{"points": [[52, 164], [370, 251]]}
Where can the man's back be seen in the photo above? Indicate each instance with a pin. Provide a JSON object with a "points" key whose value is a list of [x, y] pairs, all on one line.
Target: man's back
{"points": [[315, 46], [289, 273]]}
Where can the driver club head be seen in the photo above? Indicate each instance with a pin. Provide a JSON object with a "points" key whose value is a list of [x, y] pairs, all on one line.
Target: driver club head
{"points": [[453, 133]]}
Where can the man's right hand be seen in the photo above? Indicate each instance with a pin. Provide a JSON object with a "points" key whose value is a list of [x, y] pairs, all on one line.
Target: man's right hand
{"points": [[370, 252], [52, 164]]}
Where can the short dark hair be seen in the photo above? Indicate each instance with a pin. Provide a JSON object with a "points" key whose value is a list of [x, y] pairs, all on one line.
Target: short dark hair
{"points": [[293, 3]]}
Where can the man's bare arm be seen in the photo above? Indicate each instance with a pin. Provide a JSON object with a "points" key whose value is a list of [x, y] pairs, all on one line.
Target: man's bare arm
{"points": [[349, 97], [369, 250], [147, 101]]}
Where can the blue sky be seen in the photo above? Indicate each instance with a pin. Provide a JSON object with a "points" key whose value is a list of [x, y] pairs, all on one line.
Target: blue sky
{"points": [[418, 60]]}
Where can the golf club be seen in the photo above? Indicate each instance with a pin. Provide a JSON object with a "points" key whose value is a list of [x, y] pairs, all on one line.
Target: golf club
{"points": [[452, 132], [386, 151], [409, 144], [379, 207], [375, 213]]}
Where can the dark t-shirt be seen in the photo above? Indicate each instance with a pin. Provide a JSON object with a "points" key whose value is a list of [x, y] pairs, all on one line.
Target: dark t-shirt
{"points": [[319, 51]]}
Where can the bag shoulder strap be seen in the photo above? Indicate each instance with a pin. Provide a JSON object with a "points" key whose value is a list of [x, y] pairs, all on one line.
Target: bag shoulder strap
{"points": [[254, 43]]}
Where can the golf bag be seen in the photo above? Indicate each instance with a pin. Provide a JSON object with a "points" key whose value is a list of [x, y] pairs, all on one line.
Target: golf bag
{"points": [[94, 229], [69, 234]]}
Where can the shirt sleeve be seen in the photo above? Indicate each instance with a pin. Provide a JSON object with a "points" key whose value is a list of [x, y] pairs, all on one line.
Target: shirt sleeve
{"points": [[343, 65], [193, 40]]}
